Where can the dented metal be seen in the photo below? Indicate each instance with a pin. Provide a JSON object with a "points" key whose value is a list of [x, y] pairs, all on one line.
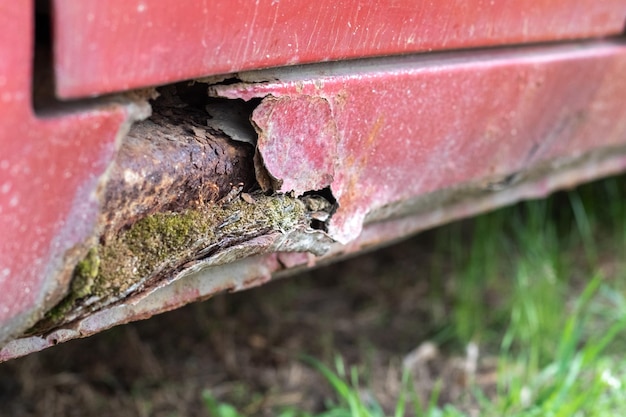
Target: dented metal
{"points": [[204, 280], [172, 199]]}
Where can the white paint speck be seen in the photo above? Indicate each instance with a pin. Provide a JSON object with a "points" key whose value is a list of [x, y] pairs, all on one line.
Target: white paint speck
{"points": [[6, 187], [141, 7], [14, 201]]}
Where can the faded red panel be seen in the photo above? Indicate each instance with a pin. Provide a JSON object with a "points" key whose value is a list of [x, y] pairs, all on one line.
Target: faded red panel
{"points": [[105, 46], [49, 170], [411, 125]]}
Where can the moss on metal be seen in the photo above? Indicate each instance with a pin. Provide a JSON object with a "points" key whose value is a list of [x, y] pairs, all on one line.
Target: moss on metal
{"points": [[85, 273], [162, 243]]}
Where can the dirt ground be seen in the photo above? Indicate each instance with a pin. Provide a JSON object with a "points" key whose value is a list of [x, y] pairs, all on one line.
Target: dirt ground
{"points": [[378, 310]]}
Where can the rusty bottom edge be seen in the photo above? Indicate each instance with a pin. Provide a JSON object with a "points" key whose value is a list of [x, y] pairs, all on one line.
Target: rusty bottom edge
{"points": [[387, 225]]}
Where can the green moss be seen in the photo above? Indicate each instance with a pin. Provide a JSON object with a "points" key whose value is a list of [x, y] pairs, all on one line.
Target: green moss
{"points": [[162, 233], [82, 285], [85, 273], [55, 315], [163, 242]]}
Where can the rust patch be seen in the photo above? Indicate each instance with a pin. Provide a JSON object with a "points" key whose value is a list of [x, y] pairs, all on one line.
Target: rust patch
{"points": [[383, 226], [172, 162], [182, 193]]}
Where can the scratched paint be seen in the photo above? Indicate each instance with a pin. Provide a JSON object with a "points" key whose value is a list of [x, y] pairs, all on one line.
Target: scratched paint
{"points": [[128, 44]]}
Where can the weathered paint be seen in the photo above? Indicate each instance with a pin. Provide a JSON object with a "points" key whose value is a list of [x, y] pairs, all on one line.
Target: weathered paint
{"points": [[402, 143], [126, 44], [159, 247], [50, 168], [396, 128], [308, 145], [427, 211]]}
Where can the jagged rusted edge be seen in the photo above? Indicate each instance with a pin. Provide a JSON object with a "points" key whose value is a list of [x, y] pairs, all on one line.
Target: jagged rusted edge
{"points": [[176, 170]]}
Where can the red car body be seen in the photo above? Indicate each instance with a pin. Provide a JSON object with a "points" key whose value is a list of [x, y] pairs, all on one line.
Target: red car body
{"points": [[401, 114]]}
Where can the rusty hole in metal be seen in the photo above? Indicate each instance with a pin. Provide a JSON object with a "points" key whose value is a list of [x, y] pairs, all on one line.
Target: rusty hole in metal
{"points": [[233, 118], [228, 81], [177, 159], [167, 201], [326, 196]]}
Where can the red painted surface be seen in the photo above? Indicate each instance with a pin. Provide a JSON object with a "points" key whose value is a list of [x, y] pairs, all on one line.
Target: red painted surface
{"points": [[378, 132], [408, 126], [114, 45], [49, 168]]}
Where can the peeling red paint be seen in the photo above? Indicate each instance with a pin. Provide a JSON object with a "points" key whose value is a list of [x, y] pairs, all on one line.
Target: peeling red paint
{"points": [[305, 159], [402, 143], [428, 211], [408, 126]]}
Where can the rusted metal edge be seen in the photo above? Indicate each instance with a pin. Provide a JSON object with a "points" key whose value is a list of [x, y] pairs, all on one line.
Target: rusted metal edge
{"points": [[338, 148], [173, 161], [179, 192], [380, 131], [205, 280], [112, 119]]}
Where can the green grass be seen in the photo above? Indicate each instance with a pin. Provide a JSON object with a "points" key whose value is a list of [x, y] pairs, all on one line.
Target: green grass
{"points": [[532, 287]]}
